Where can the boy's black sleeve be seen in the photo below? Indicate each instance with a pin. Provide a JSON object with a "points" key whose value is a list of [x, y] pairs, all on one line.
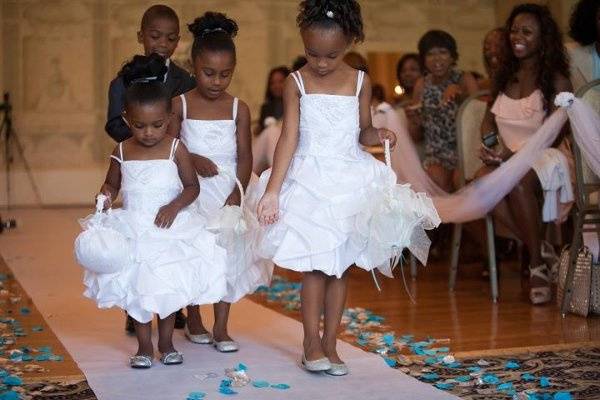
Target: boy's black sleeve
{"points": [[189, 83], [115, 125], [179, 80]]}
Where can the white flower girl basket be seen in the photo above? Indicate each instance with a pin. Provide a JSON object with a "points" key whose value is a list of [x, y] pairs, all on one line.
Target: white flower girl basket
{"points": [[230, 219], [99, 248], [234, 226], [398, 219]]}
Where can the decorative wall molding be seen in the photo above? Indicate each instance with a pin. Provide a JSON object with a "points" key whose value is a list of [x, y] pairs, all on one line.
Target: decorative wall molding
{"points": [[58, 57]]}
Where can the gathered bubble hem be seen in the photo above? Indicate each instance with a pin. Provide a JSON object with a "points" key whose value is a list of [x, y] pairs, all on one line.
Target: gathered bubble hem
{"points": [[168, 269], [338, 212]]}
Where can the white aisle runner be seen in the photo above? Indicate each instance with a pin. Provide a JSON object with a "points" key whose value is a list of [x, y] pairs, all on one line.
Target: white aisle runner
{"points": [[40, 255]]}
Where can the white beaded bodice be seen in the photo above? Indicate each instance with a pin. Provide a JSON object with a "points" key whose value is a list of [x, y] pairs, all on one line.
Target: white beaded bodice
{"points": [[329, 124], [147, 185], [214, 139]]}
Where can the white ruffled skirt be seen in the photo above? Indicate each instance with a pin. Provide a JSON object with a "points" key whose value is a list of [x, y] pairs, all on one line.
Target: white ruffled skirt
{"points": [[335, 212], [246, 271], [168, 268]]}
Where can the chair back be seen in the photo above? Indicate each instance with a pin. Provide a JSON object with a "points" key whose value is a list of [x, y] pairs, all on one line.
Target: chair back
{"points": [[468, 134], [588, 184]]}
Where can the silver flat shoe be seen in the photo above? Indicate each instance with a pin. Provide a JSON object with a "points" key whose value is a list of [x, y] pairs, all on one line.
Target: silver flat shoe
{"points": [[171, 358], [140, 361], [322, 364], [203, 338], [337, 370], [226, 346]]}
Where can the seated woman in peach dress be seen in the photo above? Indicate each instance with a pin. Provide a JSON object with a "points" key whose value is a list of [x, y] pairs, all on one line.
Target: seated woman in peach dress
{"points": [[535, 71]]}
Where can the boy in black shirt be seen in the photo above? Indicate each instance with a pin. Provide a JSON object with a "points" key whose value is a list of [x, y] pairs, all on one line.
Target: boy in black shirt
{"points": [[159, 33]]}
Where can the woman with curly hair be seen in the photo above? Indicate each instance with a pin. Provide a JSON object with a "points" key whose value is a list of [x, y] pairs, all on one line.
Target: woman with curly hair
{"points": [[273, 105], [267, 132], [585, 30], [535, 70], [408, 71]]}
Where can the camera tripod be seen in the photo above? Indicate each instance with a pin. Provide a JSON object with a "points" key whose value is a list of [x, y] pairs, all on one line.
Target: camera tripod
{"points": [[9, 138]]}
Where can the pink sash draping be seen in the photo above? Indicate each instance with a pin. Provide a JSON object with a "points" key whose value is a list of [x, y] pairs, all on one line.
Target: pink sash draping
{"points": [[479, 197]]}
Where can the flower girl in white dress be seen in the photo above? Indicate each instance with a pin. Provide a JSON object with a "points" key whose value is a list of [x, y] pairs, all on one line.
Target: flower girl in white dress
{"points": [[215, 126], [173, 261], [317, 201]]}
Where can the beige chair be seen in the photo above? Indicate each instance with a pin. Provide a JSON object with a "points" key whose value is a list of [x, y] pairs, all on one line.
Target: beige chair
{"points": [[468, 139], [587, 212]]}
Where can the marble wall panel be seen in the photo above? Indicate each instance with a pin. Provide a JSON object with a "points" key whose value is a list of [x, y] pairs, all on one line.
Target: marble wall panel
{"points": [[58, 57]]}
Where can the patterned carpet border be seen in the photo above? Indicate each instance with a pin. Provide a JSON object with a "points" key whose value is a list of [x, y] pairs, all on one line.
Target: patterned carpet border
{"points": [[561, 372], [24, 368]]}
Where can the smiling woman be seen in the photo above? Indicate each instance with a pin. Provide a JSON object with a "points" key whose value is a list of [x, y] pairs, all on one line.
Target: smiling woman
{"points": [[525, 85]]}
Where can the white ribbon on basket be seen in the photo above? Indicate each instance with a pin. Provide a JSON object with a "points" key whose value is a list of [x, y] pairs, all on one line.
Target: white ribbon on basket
{"points": [[100, 200], [230, 219], [395, 251]]}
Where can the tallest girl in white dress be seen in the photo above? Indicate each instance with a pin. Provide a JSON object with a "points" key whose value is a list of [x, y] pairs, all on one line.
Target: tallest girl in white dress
{"points": [[215, 126], [321, 179]]}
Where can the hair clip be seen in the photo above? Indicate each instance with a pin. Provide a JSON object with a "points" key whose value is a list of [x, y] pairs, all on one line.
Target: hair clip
{"points": [[208, 30], [145, 79], [329, 14]]}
